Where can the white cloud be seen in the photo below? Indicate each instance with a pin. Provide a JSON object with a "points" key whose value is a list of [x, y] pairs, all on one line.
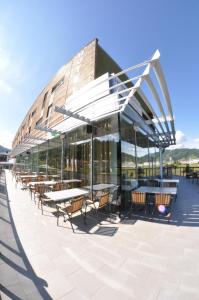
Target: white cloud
{"points": [[6, 138], [180, 137], [182, 141]]}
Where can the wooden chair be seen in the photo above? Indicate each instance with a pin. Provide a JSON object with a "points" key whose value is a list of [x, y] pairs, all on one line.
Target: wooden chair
{"points": [[138, 199], [40, 178], [101, 203], [40, 190], [25, 182], [60, 186], [165, 200], [70, 209]]}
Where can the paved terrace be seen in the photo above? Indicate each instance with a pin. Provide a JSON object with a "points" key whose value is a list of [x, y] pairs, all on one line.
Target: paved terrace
{"points": [[137, 259]]}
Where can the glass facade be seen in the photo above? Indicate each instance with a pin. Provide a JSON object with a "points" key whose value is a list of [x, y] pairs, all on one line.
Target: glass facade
{"points": [[53, 154], [112, 151], [106, 153], [77, 156], [128, 150], [143, 160]]}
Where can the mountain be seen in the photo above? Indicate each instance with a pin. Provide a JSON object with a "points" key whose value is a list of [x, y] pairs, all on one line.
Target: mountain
{"points": [[183, 154], [3, 149]]}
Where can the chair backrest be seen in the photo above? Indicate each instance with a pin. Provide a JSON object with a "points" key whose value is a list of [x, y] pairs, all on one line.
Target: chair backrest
{"points": [[138, 198], [41, 189], [40, 178], [56, 186], [162, 199], [76, 204], [60, 186], [104, 200], [26, 180]]}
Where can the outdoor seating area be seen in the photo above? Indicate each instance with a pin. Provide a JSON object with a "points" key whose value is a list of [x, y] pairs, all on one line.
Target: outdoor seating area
{"points": [[155, 197], [67, 198], [98, 252]]}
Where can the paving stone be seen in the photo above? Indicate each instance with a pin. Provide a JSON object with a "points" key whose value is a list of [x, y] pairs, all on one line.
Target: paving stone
{"points": [[141, 260]]}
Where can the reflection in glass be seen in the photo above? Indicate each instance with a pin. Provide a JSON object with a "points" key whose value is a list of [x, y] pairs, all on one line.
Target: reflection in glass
{"points": [[143, 161], [106, 167], [77, 155]]}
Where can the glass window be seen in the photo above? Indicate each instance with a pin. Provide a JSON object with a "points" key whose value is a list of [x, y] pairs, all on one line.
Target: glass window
{"points": [[42, 155], [77, 155], [49, 111], [44, 100], [54, 156], [142, 149], [60, 82], [128, 151], [106, 154]]}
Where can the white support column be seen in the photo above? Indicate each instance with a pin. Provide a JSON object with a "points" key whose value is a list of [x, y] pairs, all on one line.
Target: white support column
{"points": [[62, 137], [47, 160], [161, 163]]}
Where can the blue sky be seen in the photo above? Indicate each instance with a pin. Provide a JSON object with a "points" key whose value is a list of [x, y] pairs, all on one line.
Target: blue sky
{"points": [[38, 37]]}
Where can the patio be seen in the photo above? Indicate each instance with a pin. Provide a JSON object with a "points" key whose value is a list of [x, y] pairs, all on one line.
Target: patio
{"points": [[137, 259]]}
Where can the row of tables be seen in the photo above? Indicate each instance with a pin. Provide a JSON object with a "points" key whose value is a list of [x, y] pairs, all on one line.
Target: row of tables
{"points": [[65, 195]]}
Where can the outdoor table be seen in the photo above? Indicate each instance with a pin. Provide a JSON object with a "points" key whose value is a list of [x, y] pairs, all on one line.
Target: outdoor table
{"points": [[71, 181], [100, 186], [53, 182], [162, 181], [157, 190], [64, 196], [167, 180], [33, 183], [29, 176]]}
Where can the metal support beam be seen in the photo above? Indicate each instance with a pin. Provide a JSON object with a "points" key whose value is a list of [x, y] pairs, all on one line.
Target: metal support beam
{"points": [[69, 113], [46, 129]]}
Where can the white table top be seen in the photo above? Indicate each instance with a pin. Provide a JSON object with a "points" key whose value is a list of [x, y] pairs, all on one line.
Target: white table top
{"points": [[168, 180], [59, 196], [53, 182], [71, 180], [29, 176], [157, 190], [100, 186], [50, 182]]}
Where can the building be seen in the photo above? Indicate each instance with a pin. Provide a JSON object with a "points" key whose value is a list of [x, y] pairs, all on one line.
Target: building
{"points": [[94, 121], [4, 156], [4, 160]]}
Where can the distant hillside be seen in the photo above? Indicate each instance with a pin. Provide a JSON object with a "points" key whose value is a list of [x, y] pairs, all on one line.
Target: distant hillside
{"points": [[174, 155], [183, 154], [3, 149]]}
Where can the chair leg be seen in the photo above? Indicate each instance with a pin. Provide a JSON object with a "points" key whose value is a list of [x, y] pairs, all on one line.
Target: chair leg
{"points": [[84, 216], [57, 216], [70, 220], [130, 210], [97, 215], [42, 210]]}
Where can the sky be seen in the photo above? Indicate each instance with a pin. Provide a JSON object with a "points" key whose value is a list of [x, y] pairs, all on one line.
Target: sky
{"points": [[38, 37]]}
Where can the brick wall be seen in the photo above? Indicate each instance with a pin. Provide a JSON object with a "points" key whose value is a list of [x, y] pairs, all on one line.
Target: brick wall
{"points": [[77, 72]]}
